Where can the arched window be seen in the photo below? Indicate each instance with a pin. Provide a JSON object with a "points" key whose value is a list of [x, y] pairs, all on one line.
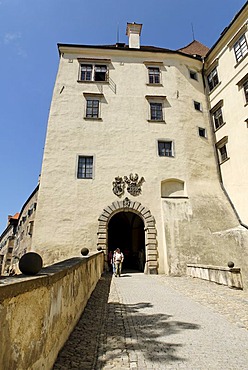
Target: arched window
{"points": [[173, 188]]}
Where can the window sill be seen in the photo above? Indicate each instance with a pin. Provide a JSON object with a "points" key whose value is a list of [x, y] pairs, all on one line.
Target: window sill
{"points": [[225, 160], [238, 63], [216, 129], [156, 121], [93, 82], [154, 84], [175, 197], [93, 119], [84, 178], [214, 88]]}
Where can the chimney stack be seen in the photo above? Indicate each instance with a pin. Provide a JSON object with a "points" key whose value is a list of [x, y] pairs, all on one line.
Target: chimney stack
{"points": [[133, 32]]}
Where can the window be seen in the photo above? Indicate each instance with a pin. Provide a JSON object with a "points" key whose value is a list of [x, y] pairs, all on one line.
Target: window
{"points": [[154, 75], [223, 153], [93, 72], [202, 132], [156, 111], [92, 108], [100, 73], [165, 149], [218, 118], [86, 72], [213, 79], [193, 75], [173, 188], [85, 167], [222, 149], [240, 48], [30, 228], [197, 105], [245, 87]]}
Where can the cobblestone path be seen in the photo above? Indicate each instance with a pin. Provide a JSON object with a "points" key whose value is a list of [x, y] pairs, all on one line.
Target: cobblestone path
{"points": [[146, 322]]}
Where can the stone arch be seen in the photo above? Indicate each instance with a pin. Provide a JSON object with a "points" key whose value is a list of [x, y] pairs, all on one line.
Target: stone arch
{"points": [[126, 205]]}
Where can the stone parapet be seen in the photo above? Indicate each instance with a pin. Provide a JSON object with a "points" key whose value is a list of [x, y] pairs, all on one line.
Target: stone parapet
{"points": [[218, 274], [38, 313]]}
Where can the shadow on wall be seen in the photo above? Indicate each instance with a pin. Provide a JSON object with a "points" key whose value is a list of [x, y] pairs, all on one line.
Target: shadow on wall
{"points": [[102, 336]]}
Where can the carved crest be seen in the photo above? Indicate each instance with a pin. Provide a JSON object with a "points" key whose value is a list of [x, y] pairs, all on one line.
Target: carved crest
{"points": [[118, 186], [134, 184], [126, 203]]}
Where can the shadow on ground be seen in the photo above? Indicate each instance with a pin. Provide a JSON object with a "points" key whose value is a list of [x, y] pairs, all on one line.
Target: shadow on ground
{"points": [[107, 331]]}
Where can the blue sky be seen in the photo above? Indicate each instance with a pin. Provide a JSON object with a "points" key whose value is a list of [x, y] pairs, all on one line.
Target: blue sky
{"points": [[29, 33]]}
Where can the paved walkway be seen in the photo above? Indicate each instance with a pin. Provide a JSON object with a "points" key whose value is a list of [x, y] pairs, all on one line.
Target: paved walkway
{"points": [[145, 322]]}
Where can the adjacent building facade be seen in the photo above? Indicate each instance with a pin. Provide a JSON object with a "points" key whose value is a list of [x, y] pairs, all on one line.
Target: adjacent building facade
{"points": [[131, 154], [227, 88], [17, 237]]}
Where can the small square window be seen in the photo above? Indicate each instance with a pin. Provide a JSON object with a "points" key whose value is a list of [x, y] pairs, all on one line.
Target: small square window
{"points": [[154, 75], [85, 167], [240, 48], [165, 149], [197, 105], [156, 111], [202, 132], [92, 108], [193, 75]]}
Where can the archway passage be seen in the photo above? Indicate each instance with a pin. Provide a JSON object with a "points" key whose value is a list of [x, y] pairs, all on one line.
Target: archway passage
{"points": [[126, 231]]}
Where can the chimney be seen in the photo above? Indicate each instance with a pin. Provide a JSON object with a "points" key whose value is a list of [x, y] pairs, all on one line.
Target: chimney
{"points": [[133, 32]]}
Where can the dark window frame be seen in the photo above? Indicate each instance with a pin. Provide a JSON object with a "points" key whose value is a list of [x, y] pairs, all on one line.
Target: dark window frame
{"points": [[218, 118], [223, 153], [85, 167], [240, 48], [92, 108], [93, 72], [193, 75], [197, 106], [165, 148], [86, 72], [213, 79], [245, 88], [154, 75], [156, 111], [202, 132]]}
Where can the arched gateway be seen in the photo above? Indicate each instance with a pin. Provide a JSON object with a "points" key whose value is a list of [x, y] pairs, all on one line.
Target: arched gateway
{"points": [[150, 240]]}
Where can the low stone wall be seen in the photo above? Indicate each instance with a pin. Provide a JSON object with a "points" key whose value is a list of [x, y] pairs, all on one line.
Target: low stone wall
{"points": [[37, 314], [218, 274]]}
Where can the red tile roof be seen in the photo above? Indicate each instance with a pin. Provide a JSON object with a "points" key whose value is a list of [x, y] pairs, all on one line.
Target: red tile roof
{"points": [[195, 48], [15, 217]]}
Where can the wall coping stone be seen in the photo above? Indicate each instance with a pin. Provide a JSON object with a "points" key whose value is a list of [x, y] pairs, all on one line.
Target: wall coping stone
{"points": [[19, 284], [212, 267]]}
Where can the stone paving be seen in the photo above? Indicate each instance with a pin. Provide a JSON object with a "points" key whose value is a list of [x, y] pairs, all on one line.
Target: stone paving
{"points": [[146, 322]]}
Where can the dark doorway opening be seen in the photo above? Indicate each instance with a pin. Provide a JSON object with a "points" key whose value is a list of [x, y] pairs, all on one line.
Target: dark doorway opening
{"points": [[126, 231]]}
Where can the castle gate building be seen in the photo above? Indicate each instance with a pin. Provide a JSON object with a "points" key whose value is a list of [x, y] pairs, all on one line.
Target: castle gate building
{"points": [[130, 161]]}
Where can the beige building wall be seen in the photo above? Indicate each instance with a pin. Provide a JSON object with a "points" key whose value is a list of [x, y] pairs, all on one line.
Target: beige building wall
{"points": [[193, 219], [229, 94]]}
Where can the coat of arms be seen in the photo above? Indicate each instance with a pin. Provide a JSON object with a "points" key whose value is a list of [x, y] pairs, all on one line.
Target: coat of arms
{"points": [[134, 184], [118, 186]]}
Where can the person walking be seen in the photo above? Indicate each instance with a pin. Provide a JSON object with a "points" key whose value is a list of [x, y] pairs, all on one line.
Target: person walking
{"points": [[118, 258]]}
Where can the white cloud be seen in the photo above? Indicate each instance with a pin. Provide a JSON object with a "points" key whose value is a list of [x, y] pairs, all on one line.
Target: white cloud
{"points": [[11, 37], [13, 40]]}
